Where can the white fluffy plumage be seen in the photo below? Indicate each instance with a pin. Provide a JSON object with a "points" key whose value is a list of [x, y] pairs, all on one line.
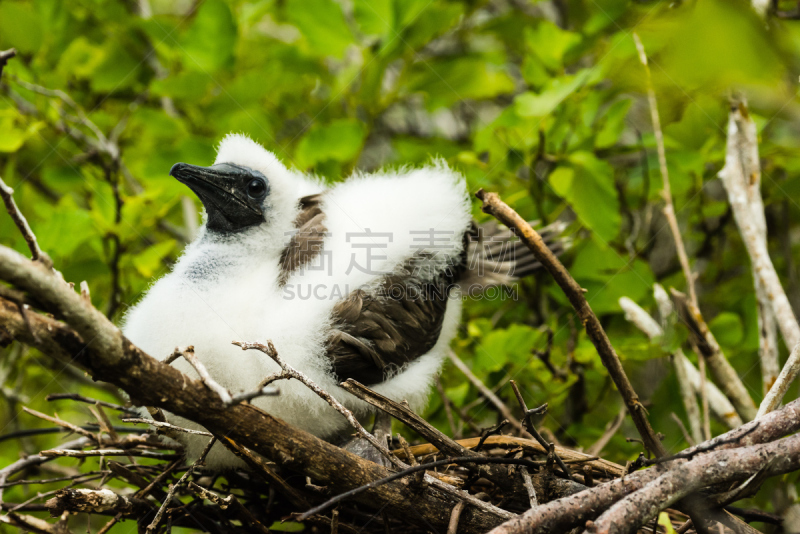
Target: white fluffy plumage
{"points": [[225, 287]]}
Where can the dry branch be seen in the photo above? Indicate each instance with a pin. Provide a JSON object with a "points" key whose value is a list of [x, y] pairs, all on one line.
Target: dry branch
{"points": [[741, 177], [669, 207], [721, 369], [569, 512], [22, 223], [101, 501], [499, 209], [287, 371], [716, 467]]}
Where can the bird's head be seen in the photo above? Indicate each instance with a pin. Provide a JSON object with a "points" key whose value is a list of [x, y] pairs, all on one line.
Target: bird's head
{"points": [[241, 189]]}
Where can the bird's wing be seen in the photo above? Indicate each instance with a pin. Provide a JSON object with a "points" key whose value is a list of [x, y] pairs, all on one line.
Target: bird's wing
{"points": [[495, 256], [307, 242], [375, 333]]}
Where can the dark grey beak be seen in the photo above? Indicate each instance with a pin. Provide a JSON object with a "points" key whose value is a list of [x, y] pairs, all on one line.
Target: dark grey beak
{"points": [[232, 195]]}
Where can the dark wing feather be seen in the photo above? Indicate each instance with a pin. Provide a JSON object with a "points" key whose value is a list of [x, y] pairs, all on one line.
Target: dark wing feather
{"points": [[376, 333], [307, 242]]}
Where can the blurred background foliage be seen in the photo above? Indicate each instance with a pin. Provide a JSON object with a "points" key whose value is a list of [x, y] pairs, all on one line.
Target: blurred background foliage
{"points": [[542, 101]]}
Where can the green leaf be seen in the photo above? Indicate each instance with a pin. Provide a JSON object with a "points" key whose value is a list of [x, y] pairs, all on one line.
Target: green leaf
{"points": [[80, 59], [719, 44], [446, 81], [149, 262], [188, 85], [64, 227], [374, 17], [554, 93], [549, 43], [665, 521], [587, 183], [20, 27], [500, 347], [727, 328], [323, 25], [340, 140], [118, 70], [210, 41], [614, 123], [607, 275]]}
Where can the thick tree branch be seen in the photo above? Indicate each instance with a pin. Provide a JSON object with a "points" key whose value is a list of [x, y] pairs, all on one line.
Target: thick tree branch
{"points": [[569, 512], [112, 358], [771, 459]]}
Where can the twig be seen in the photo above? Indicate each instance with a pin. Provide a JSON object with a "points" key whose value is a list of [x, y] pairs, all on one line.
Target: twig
{"points": [[410, 471], [715, 399], [157, 519], [96, 502], [487, 393], [261, 467], [242, 513], [526, 479], [160, 424], [264, 391], [65, 424], [455, 515], [491, 431], [404, 414], [611, 429], [67, 453], [80, 398], [775, 395], [530, 446], [290, 371], [448, 411], [669, 208], [563, 514], [526, 421], [688, 437], [189, 355], [496, 207], [22, 223]]}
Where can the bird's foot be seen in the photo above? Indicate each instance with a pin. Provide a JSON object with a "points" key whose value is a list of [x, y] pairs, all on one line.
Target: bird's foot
{"points": [[382, 430]]}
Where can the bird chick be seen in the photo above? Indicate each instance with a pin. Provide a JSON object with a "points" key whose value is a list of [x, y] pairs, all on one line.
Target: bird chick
{"points": [[362, 279]]}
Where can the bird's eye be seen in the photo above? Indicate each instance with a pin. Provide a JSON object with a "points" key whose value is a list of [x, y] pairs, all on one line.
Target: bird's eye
{"points": [[256, 188]]}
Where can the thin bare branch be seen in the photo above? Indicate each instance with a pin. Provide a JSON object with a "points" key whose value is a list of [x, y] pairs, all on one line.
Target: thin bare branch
{"points": [[157, 519], [161, 424], [487, 393], [669, 207], [22, 224], [290, 371], [499, 209]]}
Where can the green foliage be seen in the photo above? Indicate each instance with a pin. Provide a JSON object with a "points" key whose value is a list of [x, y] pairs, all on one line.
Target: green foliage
{"points": [[551, 114]]}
